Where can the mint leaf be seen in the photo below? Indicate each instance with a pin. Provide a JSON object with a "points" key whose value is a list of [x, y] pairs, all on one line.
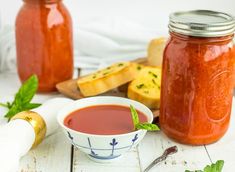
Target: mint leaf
{"points": [[137, 125], [134, 115], [217, 167], [23, 98], [147, 126]]}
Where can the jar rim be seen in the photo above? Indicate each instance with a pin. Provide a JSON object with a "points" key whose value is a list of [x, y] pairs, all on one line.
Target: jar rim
{"points": [[202, 23]]}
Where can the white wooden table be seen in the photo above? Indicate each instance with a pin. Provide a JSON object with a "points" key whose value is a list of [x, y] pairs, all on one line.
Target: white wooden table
{"points": [[56, 154]]}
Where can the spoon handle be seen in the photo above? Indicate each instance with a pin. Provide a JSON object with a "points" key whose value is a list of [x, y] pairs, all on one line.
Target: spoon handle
{"points": [[168, 151]]}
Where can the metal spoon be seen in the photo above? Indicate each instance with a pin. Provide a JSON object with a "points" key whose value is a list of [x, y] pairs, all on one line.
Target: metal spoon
{"points": [[168, 151]]}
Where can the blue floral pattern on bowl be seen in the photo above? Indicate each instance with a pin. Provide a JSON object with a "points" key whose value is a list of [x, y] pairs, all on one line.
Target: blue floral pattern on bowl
{"points": [[113, 147]]}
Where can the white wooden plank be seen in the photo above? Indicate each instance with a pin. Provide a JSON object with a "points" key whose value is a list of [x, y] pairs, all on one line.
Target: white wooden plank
{"points": [[224, 149], [52, 155], [187, 157], [127, 162]]}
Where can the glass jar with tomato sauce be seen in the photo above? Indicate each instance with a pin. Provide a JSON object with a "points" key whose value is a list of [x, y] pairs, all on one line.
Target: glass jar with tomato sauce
{"points": [[197, 77], [44, 42]]}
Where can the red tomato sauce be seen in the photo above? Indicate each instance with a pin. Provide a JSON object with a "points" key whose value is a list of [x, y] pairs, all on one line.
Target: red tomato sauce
{"points": [[103, 120], [197, 88], [44, 42]]}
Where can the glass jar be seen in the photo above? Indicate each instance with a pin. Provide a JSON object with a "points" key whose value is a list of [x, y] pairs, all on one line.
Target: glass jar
{"points": [[44, 42], [197, 77]]}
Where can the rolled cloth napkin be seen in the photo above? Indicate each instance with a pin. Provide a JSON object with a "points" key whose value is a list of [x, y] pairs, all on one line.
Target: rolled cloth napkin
{"points": [[27, 130], [96, 42]]}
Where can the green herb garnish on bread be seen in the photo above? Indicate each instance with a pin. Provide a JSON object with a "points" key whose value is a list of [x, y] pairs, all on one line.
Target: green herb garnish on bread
{"points": [[146, 87], [106, 79]]}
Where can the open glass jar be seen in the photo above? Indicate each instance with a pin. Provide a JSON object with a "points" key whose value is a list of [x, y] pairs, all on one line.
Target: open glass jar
{"points": [[197, 77], [44, 42]]}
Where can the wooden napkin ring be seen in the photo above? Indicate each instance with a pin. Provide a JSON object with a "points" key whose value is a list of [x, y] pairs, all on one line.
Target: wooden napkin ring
{"points": [[37, 122]]}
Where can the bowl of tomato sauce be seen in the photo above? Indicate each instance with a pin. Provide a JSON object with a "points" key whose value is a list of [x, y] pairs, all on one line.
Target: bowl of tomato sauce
{"points": [[102, 126]]}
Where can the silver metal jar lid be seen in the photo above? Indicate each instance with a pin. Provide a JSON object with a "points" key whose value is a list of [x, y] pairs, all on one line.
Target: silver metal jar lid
{"points": [[202, 23]]}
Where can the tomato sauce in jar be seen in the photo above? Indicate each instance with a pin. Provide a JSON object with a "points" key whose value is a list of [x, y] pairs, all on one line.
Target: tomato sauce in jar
{"points": [[44, 42], [197, 77]]}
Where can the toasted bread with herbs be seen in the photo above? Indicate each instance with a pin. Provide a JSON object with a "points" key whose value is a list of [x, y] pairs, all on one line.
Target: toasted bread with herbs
{"points": [[137, 69], [106, 79], [155, 51], [146, 87]]}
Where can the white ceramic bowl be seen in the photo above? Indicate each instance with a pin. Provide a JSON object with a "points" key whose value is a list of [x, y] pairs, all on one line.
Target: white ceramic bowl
{"points": [[103, 148]]}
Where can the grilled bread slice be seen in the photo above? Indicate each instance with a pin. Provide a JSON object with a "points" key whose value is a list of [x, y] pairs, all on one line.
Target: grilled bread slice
{"points": [[155, 51], [106, 79], [146, 87], [137, 69]]}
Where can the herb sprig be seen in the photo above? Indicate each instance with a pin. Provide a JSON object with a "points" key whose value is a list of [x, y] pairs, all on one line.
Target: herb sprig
{"points": [[138, 125], [23, 98], [214, 167]]}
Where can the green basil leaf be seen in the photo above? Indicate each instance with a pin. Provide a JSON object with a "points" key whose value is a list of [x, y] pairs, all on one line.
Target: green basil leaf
{"points": [[9, 105], [147, 126], [27, 91], [23, 97], [31, 106], [208, 168], [217, 167], [135, 117], [138, 125], [4, 105], [14, 110]]}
